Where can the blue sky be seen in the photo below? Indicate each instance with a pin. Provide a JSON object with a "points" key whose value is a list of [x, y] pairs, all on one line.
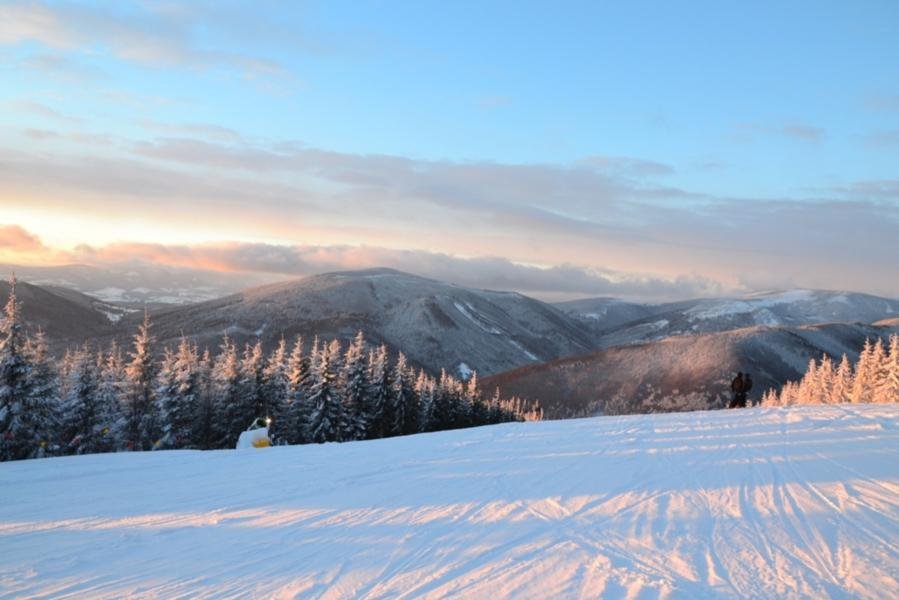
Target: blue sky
{"points": [[617, 140]]}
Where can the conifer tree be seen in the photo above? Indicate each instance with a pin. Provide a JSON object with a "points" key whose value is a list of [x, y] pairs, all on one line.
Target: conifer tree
{"points": [[251, 367], [300, 411], [111, 392], [891, 392], [231, 414], [327, 415], [204, 430], [842, 382], [276, 394], [379, 409], [87, 423], [861, 381], [479, 414], [20, 433], [141, 417], [424, 389], [879, 374], [179, 395], [45, 399], [405, 409], [355, 387]]}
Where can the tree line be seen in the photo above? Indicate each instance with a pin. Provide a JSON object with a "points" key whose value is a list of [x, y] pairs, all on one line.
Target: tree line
{"points": [[874, 378], [102, 401]]}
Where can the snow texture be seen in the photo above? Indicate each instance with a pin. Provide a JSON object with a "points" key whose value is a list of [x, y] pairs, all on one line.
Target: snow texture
{"points": [[759, 503]]}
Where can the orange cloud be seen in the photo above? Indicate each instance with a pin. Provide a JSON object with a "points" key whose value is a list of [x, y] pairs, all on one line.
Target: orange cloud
{"points": [[18, 245]]}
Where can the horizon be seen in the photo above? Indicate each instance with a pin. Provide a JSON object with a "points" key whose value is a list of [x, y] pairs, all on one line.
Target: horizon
{"points": [[29, 279], [644, 152]]}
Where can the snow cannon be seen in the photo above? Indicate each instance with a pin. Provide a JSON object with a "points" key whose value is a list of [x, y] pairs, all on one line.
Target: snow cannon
{"points": [[256, 435]]}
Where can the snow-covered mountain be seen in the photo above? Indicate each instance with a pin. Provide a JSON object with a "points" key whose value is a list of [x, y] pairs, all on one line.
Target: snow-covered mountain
{"points": [[608, 318], [681, 372], [66, 316], [437, 325], [138, 284], [757, 503]]}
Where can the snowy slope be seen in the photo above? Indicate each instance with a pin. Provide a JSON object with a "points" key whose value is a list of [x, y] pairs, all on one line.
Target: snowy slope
{"points": [[800, 502]]}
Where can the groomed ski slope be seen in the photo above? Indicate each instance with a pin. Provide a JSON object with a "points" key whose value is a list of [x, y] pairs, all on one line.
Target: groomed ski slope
{"points": [[800, 502]]}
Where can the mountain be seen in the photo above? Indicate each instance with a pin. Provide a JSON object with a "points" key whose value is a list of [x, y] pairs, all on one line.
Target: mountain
{"points": [[605, 318], [66, 316], [437, 325], [138, 284], [603, 314], [759, 503], [680, 372]]}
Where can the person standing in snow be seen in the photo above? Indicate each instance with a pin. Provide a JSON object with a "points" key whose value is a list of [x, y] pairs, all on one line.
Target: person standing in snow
{"points": [[747, 387], [736, 389]]}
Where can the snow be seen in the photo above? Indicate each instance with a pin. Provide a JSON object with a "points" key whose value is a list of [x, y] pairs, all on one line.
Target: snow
{"points": [[464, 371], [724, 308], [524, 350], [109, 294], [112, 316], [469, 311], [761, 503]]}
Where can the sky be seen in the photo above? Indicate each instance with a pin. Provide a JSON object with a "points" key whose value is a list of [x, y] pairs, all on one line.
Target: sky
{"points": [[645, 150]]}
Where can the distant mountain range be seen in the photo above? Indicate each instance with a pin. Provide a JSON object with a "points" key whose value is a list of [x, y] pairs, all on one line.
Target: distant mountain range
{"points": [[574, 356], [137, 284], [615, 322], [437, 325]]}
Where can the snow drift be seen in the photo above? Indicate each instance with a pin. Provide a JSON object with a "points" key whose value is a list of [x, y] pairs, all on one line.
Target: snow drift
{"points": [[753, 503]]}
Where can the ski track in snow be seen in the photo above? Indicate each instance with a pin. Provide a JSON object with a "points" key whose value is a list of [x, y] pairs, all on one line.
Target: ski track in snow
{"points": [[758, 503]]}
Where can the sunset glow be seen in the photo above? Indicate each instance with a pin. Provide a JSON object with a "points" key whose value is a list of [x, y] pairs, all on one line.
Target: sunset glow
{"points": [[194, 126]]}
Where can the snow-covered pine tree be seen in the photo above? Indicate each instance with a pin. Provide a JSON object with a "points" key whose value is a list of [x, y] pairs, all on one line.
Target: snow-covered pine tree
{"points": [[324, 395], [204, 430], [111, 390], [861, 380], [20, 435], [45, 400], [298, 377], [355, 386], [424, 389], [379, 394], [824, 381], [276, 394], [475, 400], [892, 390], [141, 417], [403, 398], [879, 372], [251, 366], [231, 416], [494, 407], [842, 382], [87, 426], [179, 395]]}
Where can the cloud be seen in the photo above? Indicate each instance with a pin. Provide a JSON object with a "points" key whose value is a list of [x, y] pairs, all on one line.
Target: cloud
{"points": [[62, 68], [882, 139], [883, 102], [803, 132], [201, 130], [580, 214], [556, 282], [747, 132], [17, 239], [149, 37], [41, 110], [627, 166]]}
